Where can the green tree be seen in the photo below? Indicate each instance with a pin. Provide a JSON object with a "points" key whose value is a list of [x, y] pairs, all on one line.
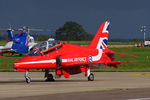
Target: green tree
{"points": [[71, 31]]}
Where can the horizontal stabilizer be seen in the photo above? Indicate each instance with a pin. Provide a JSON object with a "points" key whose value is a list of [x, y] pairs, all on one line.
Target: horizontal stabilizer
{"points": [[124, 54], [113, 52], [115, 63], [119, 62]]}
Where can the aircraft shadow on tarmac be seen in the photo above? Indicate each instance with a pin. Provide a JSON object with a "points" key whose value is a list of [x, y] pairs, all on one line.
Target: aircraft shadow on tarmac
{"points": [[40, 81]]}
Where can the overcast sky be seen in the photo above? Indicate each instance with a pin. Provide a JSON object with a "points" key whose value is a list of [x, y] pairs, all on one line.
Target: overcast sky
{"points": [[126, 16]]}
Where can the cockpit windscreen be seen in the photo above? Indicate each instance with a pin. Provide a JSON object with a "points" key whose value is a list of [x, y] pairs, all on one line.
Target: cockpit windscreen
{"points": [[42, 46]]}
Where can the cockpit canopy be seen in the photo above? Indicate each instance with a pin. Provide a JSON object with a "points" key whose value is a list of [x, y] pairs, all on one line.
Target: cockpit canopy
{"points": [[43, 46]]}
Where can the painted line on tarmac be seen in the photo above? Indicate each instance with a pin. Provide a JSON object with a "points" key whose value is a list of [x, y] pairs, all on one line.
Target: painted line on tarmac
{"points": [[140, 74], [140, 99]]}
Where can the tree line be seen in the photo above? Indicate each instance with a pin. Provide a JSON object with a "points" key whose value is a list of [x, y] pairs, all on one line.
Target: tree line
{"points": [[72, 31]]}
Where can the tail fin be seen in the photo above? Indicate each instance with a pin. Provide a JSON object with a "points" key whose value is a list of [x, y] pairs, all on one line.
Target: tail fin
{"points": [[100, 40]]}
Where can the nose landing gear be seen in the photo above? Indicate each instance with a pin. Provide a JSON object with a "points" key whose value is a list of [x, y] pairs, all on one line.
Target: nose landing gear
{"points": [[27, 78]]}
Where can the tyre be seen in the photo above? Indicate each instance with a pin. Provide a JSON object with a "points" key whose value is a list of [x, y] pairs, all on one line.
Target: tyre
{"points": [[91, 77], [28, 79], [50, 78]]}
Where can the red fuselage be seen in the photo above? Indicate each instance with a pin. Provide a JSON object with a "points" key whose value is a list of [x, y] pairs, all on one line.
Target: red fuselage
{"points": [[70, 54]]}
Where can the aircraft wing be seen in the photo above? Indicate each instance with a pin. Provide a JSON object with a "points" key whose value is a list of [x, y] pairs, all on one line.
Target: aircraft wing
{"points": [[6, 57]]}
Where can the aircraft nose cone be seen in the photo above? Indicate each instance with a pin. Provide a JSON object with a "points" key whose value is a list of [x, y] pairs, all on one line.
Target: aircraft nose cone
{"points": [[34, 63], [17, 65], [20, 65]]}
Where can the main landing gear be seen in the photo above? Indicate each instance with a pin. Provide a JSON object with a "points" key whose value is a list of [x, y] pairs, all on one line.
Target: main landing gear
{"points": [[50, 77], [91, 77], [27, 78]]}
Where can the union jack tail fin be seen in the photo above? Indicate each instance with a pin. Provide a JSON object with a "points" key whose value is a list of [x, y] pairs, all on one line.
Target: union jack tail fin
{"points": [[100, 40]]}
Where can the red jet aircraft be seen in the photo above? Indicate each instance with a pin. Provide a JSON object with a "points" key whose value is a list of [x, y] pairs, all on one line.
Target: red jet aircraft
{"points": [[68, 59]]}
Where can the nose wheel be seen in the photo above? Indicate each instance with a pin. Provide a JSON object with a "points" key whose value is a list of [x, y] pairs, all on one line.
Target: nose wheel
{"points": [[27, 78]]}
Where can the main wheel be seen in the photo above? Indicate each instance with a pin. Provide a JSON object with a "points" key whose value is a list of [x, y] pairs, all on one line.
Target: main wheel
{"points": [[50, 78], [91, 77], [28, 79]]}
